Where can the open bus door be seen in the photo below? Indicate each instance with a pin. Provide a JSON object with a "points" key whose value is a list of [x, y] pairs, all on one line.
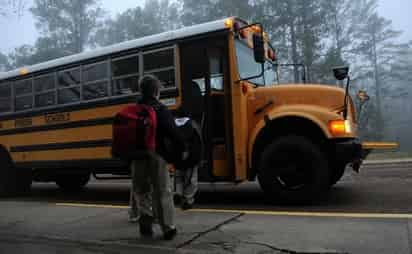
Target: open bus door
{"points": [[206, 98]]}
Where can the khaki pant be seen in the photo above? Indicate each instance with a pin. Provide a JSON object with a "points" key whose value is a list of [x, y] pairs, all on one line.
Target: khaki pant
{"points": [[186, 184], [151, 194]]}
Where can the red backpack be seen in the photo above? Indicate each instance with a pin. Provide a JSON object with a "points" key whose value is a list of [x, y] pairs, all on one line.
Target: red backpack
{"points": [[134, 129]]}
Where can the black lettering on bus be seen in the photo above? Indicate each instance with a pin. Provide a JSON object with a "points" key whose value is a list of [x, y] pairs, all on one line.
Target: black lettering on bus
{"points": [[57, 118], [23, 122]]}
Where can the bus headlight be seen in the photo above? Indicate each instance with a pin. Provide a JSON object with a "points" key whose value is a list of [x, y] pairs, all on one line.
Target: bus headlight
{"points": [[340, 127]]}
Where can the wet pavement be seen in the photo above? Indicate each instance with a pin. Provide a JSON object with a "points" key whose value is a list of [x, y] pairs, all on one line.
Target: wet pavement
{"points": [[366, 213]]}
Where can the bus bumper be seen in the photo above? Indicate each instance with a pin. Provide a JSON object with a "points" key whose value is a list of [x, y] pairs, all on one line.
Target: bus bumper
{"points": [[353, 151], [350, 152]]}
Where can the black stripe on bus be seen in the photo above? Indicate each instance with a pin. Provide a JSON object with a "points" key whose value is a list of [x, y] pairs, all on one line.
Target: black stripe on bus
{"points": [[62, 146], [70, 125], [84, 105], [99, 165]]}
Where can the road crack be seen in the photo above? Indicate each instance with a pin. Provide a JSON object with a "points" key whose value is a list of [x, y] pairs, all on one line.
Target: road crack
{"points": [[205, 232], [230, 246], [408, 230], [288, 251]]}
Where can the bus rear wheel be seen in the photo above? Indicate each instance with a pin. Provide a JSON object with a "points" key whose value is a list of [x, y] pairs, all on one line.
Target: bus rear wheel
{"points": [[13, 181], [72, 182], [293, 170]]}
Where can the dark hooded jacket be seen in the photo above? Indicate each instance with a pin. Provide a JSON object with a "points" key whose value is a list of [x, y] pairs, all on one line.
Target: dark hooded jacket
{"points": [[169, 141]]}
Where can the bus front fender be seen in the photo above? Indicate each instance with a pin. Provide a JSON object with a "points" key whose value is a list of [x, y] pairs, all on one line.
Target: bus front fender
{"points": [[316, 117]]}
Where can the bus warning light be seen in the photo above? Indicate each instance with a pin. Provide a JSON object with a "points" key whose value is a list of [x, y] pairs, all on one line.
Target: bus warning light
{"points": [[229, 23], [257, 29], [23, 71]]}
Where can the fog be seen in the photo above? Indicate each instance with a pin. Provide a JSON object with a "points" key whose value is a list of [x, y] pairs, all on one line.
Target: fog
{"points": [[20, 28]]}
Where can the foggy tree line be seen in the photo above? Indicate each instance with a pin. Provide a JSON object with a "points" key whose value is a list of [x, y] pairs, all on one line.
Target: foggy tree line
{"points": [[11, 6], [318, 33]]}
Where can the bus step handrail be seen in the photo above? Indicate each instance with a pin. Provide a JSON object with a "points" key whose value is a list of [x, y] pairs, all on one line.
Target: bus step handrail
{"points": [[111, 177]]}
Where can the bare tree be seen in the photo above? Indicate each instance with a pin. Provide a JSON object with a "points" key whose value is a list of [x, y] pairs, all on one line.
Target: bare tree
{"points": [[14, 7]]}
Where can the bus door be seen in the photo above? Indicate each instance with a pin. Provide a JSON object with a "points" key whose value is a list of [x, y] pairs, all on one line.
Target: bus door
{"points": [[206, 98]]}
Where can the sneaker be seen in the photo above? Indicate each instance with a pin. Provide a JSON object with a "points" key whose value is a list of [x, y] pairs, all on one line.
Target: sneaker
{"points": [[170, 234]]}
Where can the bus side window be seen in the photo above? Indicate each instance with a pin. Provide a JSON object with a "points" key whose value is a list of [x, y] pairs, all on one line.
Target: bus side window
{"points": [[23, 90], [68, 84], [95, 81], [5, 97], [45, 93], [125, 75], [161, 63]]}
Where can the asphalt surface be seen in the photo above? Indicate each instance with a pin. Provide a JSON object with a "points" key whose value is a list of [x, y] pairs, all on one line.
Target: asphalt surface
{"points": [[370, 212], [383, 188]]}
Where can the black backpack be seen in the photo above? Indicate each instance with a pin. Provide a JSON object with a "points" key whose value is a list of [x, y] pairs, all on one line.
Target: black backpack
{"points": [[192, 136]]}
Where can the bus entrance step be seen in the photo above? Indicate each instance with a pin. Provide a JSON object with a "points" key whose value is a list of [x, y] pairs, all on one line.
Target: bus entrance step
{"points": [[110, 177]]}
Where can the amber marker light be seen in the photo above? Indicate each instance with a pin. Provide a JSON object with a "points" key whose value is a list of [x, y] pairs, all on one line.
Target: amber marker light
{"points": [[339, 127], [24, 71], [245, 88], [257, 29], [229, 23]]}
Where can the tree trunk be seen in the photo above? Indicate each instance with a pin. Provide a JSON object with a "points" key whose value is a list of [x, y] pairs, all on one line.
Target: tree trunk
{"points": [[294, 51], [293, 41], [379, 119], [338, 41]]}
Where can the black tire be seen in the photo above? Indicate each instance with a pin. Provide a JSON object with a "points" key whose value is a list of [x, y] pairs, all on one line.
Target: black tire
{"points": [[8, 175], [336, 173], [72, 183], [294, 170], [13, 181], [25, 179]]}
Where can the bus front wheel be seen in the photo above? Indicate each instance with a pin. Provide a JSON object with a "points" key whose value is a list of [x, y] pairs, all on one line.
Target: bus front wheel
{"points": [[337, 172], [293, 170], [75, 182]]}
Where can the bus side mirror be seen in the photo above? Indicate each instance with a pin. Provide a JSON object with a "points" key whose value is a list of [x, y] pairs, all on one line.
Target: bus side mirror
{"points": [[258, 48], [341, 72]]}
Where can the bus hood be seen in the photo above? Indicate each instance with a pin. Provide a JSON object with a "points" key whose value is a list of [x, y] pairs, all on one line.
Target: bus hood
{"points": [[328, 97]]}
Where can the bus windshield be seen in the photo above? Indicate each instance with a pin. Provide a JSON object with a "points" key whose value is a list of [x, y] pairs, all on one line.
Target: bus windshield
{"points": [[248, 67]]}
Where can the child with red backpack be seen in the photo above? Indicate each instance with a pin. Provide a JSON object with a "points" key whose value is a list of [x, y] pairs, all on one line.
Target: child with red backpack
{"points": [[151, 193]]}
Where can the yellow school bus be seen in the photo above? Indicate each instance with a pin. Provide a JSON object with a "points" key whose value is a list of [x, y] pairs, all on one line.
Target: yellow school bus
{"points": [[56, 117]]}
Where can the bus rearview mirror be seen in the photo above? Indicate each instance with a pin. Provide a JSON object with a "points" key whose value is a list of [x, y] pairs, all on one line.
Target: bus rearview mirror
{"points": [[341, 72], [259, 48]]}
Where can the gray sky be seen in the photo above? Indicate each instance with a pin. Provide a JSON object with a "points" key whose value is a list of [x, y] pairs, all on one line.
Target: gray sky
{"points": [[21, 30]]}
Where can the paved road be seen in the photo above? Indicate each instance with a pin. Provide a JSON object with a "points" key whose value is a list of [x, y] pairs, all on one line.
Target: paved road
{"points": [[370, 212], [385, 188]]}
